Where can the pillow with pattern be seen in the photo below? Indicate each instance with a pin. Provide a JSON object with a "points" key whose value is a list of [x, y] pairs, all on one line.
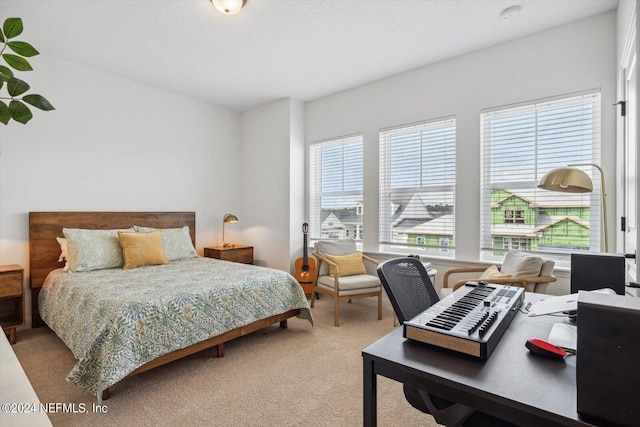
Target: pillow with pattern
{"points": [[93, 249], [175, 241]]}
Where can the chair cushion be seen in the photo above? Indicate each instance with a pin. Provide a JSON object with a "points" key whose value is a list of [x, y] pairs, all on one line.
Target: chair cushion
{"points": [[347, 265], [547, 267], [521, 264], [546, 270], [351, 283], [334, 247]]}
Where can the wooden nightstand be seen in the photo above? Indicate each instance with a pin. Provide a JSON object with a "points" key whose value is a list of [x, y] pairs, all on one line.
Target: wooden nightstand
{"points": [[11, 299], [235, 253]]}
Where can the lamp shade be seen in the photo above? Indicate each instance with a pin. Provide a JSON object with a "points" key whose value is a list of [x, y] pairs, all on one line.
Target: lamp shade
{"points": [[229, 218], [566, 180]]}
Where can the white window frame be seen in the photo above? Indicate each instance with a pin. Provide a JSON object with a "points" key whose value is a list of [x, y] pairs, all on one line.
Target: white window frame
{"points": [[352, 174], [544, 159], [429, 176]]}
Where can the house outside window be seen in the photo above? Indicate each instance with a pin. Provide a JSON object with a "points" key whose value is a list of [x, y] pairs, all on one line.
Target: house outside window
{"points": [[519, 144], [335, 189], [417, 187]]}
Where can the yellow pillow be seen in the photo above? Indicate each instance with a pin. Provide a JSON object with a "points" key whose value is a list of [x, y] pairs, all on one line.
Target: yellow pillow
{"points": [[140, 249], [493, 273], [348, 265]]}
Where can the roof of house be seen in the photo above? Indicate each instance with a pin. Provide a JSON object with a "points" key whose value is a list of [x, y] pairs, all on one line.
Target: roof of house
{"points": [[343, 215], [439, 226]]}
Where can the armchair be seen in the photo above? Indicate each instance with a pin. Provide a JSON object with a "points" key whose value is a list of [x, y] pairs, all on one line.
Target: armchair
{"points": [[532, 272], [344, 273]]}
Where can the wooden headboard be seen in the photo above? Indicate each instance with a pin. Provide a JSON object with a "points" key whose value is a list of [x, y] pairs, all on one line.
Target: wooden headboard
{"points": [[44, 227]]}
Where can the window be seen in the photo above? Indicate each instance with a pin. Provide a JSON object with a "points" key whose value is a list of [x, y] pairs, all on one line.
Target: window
{"points": [[519, 145], [516, 243], [444, 244], [335, 189], [417, 187], [514, 216]]}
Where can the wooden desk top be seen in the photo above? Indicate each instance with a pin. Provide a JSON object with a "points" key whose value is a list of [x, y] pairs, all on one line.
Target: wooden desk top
{"points": [[512, 383]]}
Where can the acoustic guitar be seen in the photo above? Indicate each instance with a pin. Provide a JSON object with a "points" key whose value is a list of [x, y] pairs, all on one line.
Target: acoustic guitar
{"points": [[305, 266]]}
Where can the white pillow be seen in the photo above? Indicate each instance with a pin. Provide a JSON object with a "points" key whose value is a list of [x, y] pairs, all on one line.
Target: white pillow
{"points": [[64, 256], [176, 242], [521, 264]]}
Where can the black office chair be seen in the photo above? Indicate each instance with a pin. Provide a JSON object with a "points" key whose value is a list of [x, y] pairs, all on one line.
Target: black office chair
{"points": [[411, 292]]}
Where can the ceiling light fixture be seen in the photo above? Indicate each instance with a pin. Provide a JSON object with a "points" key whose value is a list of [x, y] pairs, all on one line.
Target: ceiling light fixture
{"points": [[229, 7], [510, 12]]}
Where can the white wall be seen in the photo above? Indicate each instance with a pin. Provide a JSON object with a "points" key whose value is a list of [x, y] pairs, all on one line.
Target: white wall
{"points": [[113, 144], [571, 58], [264, 183], [297, 183], [272, 183]]}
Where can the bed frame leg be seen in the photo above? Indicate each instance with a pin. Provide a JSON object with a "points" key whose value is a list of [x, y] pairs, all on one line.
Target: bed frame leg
{"points": [[283, 324], [106, 394], [220, 349]]}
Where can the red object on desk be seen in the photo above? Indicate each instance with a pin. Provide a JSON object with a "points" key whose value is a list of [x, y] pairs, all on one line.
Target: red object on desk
{"points": [[544, 348]]}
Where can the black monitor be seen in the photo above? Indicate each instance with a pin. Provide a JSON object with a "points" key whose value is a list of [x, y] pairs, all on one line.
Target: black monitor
{"points": [[597, 271]]}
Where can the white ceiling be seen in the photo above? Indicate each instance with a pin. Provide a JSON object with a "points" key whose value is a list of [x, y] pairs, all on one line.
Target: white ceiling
{"points": [[304, 49]]}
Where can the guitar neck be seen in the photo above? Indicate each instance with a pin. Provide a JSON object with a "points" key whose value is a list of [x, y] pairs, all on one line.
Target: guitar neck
{"points": [[305, 251]]}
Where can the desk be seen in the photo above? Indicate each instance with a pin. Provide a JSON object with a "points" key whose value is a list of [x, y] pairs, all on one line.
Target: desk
{"points": [[512, 384], [15, 388]]}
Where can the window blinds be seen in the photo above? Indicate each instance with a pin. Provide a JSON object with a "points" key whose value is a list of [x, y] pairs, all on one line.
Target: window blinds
{"points": [[335, 188], [417, 187], [519, 145]]}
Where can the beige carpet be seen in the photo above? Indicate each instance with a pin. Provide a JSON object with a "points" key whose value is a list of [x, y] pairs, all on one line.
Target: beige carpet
{"points": [[300, 376]]}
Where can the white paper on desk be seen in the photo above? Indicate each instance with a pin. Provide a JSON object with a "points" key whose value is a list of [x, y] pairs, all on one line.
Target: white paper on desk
{"points": [[554, 305], [563, 335], [563, 303]]}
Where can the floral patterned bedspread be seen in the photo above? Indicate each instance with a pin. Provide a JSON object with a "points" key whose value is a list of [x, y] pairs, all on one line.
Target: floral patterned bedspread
{"points": [[116, 320]]}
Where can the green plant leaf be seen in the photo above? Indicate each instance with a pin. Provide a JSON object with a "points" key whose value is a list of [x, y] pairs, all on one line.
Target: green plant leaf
{"points": [[12, 27], [17, 62], [5, 73], [20, 112], [17, 87], [5, 114], [38, 101], [1, 36], [23, 48]]}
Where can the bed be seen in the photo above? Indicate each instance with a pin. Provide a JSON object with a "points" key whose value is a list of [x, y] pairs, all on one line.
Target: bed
{"points": [[120, 322]]}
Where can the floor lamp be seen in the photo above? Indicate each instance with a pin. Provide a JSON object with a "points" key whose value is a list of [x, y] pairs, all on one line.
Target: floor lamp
{"points": [[572, 180]]}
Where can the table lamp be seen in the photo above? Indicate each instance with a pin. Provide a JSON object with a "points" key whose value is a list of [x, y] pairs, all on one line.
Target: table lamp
{"points": [[228, 219]]}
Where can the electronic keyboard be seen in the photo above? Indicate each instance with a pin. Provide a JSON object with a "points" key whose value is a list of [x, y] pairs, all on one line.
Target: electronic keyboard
{"points": [[471, 320]]}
